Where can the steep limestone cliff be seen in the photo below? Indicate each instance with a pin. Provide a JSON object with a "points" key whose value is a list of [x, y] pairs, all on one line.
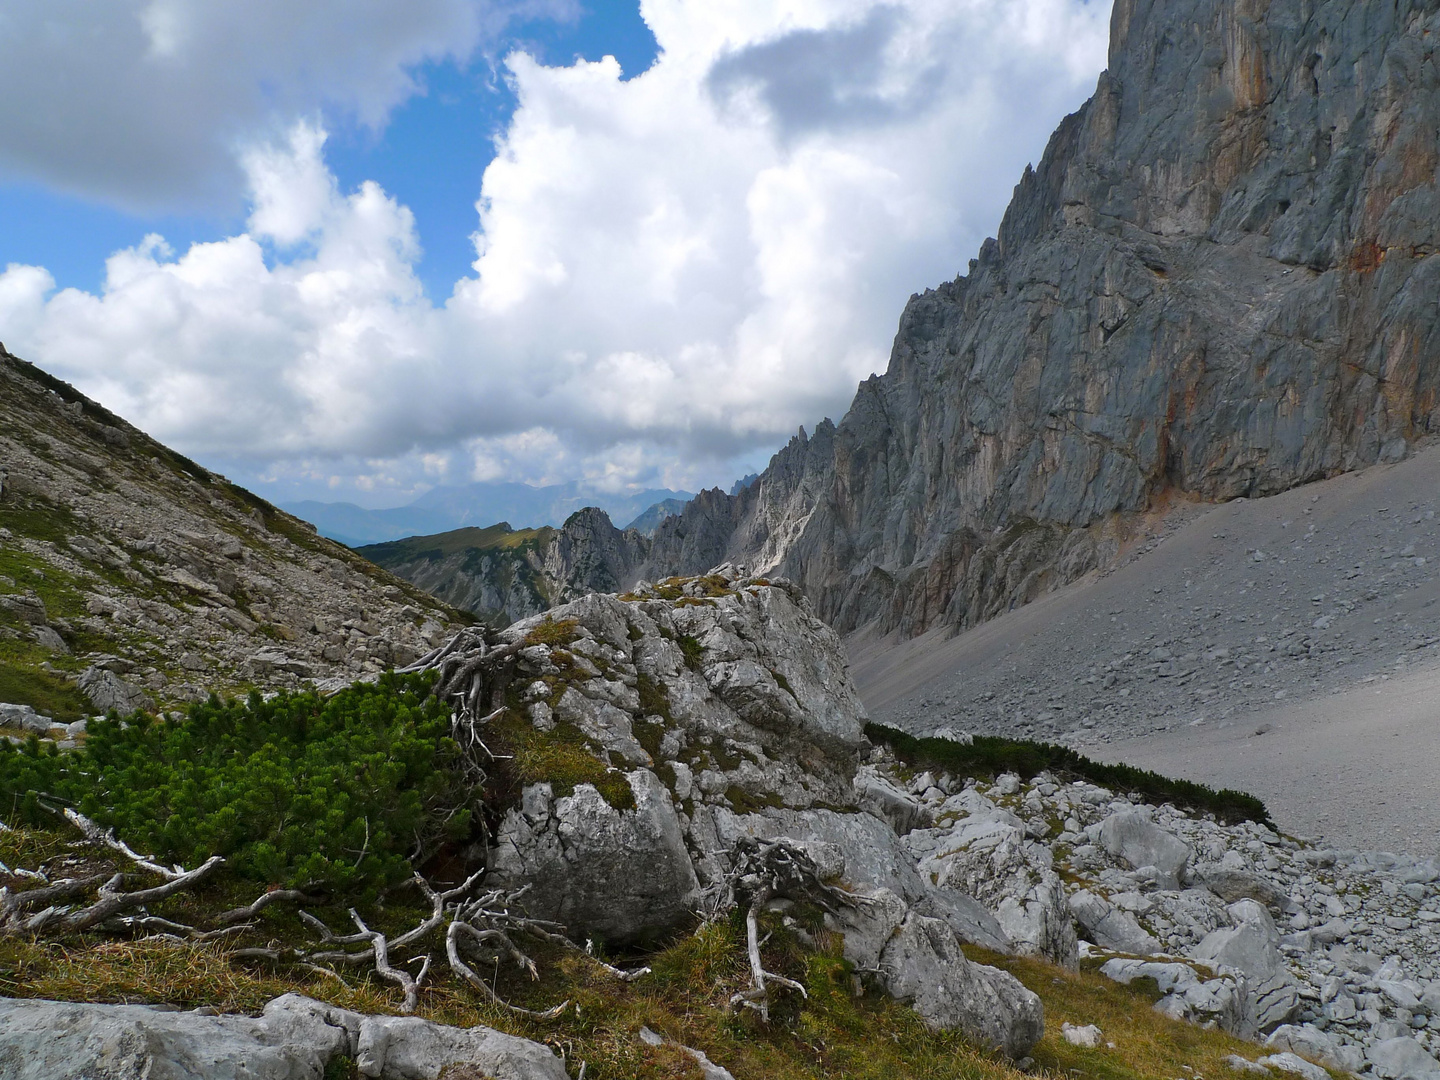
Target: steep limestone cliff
{"points": [[1220, 281]]}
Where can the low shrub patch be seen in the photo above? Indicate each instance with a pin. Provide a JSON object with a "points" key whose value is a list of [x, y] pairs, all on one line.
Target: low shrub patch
{"points": [[990, 756], [296, 790]]}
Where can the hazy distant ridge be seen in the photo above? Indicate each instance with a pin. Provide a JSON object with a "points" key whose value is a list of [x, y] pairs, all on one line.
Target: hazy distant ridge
{"points": [[443, 509]]}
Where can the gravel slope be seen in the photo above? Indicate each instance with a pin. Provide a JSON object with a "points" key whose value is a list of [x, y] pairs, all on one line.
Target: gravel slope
{"points": [[1309, 618]]}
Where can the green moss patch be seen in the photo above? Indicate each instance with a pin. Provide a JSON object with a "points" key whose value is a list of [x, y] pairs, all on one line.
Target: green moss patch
{"points": [[562, 758], [553, 632]]}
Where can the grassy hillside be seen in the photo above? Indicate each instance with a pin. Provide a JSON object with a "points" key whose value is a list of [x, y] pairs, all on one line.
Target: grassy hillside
{"points": [[499, 537], [496, 573], [120, 555]]}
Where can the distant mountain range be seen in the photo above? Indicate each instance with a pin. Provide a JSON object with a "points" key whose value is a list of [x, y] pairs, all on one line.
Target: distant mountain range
{"points": [[446, 508]]}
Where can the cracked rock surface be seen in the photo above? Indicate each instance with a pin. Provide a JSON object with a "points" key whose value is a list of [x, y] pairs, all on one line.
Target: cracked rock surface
{"points": [[295, 1038]]}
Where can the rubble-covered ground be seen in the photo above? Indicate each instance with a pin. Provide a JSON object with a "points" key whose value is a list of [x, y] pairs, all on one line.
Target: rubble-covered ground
{"points": [[130, 576], [1332, 954]]}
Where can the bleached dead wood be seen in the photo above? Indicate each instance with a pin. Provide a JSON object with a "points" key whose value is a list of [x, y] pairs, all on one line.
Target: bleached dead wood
{"points": [[761, 872]]}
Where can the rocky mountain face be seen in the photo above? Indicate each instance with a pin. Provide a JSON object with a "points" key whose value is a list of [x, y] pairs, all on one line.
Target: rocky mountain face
{"points": [[131, 576], [1219, 281], [502, 575]]}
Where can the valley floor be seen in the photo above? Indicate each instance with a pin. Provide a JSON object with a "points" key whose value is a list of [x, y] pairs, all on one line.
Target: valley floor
{"points": [[1287, 646]]}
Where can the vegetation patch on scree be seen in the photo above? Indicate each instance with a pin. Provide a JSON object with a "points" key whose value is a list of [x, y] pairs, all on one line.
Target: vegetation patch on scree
{"points": [[989, 756]]}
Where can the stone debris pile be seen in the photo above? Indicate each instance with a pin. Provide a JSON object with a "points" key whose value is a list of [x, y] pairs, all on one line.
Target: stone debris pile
{"points": [[1334, 955]]}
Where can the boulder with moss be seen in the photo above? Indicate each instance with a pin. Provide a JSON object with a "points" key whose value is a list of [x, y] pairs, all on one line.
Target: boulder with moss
{"points": [[629, 718]]}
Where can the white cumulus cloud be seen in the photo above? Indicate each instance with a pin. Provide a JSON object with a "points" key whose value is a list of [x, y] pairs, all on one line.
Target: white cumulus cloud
{"points": [[673, 271]]}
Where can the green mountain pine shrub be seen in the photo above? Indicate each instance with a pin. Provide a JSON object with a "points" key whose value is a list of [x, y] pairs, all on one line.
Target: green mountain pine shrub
{"points": [[989, 756], [298, 790]]}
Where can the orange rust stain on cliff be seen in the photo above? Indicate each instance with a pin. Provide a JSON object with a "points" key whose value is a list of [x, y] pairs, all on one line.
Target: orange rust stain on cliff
{"points": [[1417, 164], [1366, 257], [1400, 170]]}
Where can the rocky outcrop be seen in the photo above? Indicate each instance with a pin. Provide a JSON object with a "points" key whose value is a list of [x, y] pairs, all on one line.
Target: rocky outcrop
{"points": [[295, 1038], [1219, 281], [618, 874], [728, 708], [718, 696], [503, 575], [982, 851], [920, 962], [149, 581]]}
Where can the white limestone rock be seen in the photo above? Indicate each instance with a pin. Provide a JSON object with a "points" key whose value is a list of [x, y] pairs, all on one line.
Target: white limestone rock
{"points": [[617, 874], [1132, 836], [1111, 927], [295, 1038], [923, 965]]}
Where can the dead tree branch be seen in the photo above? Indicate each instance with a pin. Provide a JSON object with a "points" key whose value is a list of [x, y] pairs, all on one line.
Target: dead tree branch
{"points": [[273, 896], [761, 872], [95, 834]]}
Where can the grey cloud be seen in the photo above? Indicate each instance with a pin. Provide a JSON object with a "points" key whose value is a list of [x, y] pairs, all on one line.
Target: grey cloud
{"points": [[826, 79], [141, 103]]}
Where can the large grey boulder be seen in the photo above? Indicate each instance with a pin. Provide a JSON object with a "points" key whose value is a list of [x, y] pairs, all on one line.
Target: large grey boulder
{"points": [[1132, 836], [919, 961], [1402, 1058], [1186, 995], [1111, 927], [1252, 947], [107, 690], [408, 1048], [1295, 1065], [871, 857], [616, 874], [295, 1038], [1231, 882], [871, 852], [924, 966], [877, 794], [971, 920], [989, 857], [23, 718], [1318, 1045]]}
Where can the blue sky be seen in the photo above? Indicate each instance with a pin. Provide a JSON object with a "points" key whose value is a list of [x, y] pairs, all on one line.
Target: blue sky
{"points": [[351, 249], [430, 154]]}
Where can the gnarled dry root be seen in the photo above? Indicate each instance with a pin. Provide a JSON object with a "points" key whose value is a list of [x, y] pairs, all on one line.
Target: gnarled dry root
{"points": [[111, 901], [763, 871], [488, 926]]}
